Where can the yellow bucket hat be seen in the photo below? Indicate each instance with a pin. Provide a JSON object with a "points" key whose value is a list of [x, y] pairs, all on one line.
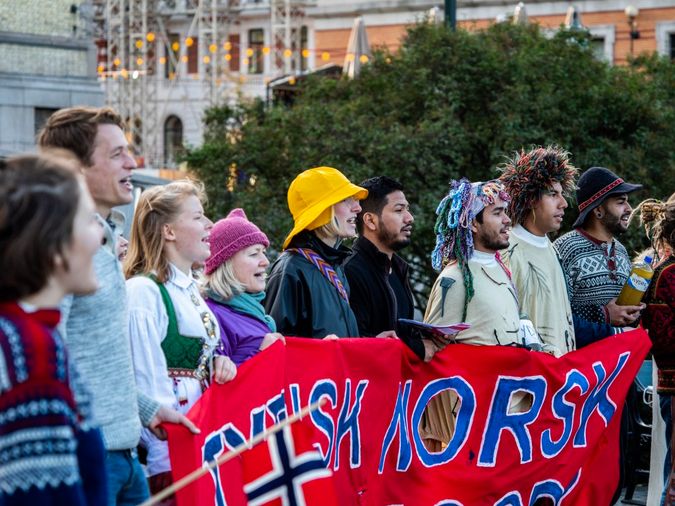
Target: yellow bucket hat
{"points": [[313, 193]]}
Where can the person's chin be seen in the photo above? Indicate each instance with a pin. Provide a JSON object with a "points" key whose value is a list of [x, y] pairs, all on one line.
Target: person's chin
{"points": [[400, 244]]}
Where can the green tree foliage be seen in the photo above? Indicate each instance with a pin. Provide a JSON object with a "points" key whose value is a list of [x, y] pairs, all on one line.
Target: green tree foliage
{"points": [[447, 104]]}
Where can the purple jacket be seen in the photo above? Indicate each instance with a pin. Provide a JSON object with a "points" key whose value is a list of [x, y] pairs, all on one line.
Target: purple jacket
{"points": [[240, 334]]}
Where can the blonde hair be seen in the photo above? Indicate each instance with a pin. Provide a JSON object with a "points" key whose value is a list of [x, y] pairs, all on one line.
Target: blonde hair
{"points": [[223, 282], [330, 230], [157, 206], [658, 219]]}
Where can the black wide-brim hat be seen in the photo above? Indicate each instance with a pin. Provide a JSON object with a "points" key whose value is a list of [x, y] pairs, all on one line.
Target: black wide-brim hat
{"points": [[593, 188]]}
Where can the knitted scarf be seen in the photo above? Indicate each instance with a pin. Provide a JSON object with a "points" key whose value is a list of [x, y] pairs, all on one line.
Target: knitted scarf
{"points": [[249, 304]]}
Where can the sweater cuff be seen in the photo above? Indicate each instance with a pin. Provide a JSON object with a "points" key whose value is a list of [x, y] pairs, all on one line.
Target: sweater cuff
{"points": [[147, 408], [606, 313], [617, 330]]}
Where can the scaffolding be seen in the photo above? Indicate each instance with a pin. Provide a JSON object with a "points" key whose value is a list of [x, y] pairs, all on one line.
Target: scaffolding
{"points": [[135, 49]]}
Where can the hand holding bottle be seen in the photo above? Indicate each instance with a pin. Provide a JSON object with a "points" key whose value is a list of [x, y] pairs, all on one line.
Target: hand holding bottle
{"points": [[620, 316]]}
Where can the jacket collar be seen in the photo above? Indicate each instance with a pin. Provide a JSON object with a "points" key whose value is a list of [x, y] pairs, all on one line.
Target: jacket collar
{"points": [[333, 256], [366, 247]]}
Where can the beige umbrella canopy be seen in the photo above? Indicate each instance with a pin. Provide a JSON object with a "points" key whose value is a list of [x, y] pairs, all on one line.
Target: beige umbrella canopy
{"points": [[358, 50]]}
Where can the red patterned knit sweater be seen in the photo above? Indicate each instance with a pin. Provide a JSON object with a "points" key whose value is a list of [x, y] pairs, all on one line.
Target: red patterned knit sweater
{"points": [[659, 319]]}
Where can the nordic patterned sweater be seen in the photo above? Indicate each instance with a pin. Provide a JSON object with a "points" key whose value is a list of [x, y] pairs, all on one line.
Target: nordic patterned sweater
{"points": [[595, 272], [96, 331], [49, 453]]}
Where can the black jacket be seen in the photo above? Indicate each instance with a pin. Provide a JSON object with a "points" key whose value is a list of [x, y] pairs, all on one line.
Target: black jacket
{"points": [[371, 296], [301, 300]]}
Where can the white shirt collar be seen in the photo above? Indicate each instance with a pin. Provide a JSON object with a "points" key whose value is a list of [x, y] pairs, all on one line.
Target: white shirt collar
{"points": [[179, 278], [535, 240], [483, 258]]}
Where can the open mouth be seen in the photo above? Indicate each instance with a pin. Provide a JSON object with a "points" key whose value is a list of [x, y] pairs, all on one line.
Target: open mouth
{"points": [[126, 182], [352, 221]]}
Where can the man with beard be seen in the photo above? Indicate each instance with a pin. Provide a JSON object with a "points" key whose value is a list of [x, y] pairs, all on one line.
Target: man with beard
{"points": [[596, 265], [380, 291], [474, 287]]}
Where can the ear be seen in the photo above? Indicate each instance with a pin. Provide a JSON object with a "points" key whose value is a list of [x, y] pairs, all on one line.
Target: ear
{"points": [[474, 226], [168, 232], [370, 221], [59, 262]]}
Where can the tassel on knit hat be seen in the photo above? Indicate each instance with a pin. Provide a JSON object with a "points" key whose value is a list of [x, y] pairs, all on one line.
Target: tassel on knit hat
{"points": [[231, 235]]}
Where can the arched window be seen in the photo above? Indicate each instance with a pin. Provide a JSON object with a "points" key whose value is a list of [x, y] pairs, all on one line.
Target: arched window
{"points": [[173, 139]]}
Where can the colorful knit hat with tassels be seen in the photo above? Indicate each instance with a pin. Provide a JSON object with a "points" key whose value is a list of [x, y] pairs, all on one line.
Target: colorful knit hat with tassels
{"points": [[456, 212], [527, 175]]}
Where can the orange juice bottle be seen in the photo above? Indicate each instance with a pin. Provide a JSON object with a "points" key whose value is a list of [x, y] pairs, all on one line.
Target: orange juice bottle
{"points": [[636, 284]]}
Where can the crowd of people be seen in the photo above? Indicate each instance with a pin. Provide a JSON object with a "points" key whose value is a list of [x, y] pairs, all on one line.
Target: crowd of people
{"points": [[104, 338]]}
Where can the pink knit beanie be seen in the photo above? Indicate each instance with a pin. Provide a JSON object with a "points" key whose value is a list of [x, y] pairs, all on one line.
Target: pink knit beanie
{"points": [[230, 235]]}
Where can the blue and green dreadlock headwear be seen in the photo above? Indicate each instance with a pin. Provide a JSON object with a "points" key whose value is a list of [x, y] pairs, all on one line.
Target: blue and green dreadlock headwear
{"points": [[456, 212]]}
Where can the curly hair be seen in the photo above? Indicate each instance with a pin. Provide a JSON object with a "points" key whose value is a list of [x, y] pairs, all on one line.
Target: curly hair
{"points": [[658, 219], [528, 174]]}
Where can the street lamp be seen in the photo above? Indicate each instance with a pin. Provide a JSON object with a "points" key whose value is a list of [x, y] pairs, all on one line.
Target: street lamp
{"points": [[451, 14], [631, 15]]}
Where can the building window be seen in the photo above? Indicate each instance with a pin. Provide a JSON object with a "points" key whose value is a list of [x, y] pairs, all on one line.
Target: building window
{"points": [[173, 139], [598, 48], [172, 56], [665, 38], [304, 55], [193, 56], [256, 41], [41, 116], [602, 42]]}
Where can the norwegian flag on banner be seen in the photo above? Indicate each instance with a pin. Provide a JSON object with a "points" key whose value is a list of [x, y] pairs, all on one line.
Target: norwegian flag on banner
{"points": [[287, 470], [365, 444]]}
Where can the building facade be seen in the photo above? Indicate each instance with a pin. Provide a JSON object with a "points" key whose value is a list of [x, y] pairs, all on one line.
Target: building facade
{"points": [[47, 61], [164, 67]]}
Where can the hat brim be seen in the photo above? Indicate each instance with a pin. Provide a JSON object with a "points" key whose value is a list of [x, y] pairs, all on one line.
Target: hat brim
{"points": [[622, 188], [312, 212]]}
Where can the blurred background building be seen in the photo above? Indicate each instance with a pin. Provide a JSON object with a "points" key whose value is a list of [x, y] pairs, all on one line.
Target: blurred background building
{"points": [[47, 61], [161, 63]]}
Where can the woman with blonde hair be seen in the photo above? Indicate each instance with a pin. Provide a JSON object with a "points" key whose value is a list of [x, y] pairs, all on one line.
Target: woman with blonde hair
{"points": [[173, 332], [235, 287], [658, 317], [307, 293]]}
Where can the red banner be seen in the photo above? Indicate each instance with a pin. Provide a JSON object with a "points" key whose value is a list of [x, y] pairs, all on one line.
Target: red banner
{"points": [[565, 446]]}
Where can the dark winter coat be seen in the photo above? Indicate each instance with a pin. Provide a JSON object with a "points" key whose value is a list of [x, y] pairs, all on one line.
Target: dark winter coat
{"points": [[302, 301], [371, 296]]}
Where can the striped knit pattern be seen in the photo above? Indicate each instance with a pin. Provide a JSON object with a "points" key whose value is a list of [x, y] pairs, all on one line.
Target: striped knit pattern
{"points": [[325, 268], [587, 274], [39, 418]]}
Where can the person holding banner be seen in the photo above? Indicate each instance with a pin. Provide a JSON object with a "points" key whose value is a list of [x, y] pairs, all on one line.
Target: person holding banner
{"points": [[307, 292], [658, 317], [474, 286], [235, 287], [173, 332], [51, 452]]}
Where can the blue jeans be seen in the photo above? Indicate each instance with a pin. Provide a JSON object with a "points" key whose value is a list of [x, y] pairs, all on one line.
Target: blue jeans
{"points": [[127, 485]]}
